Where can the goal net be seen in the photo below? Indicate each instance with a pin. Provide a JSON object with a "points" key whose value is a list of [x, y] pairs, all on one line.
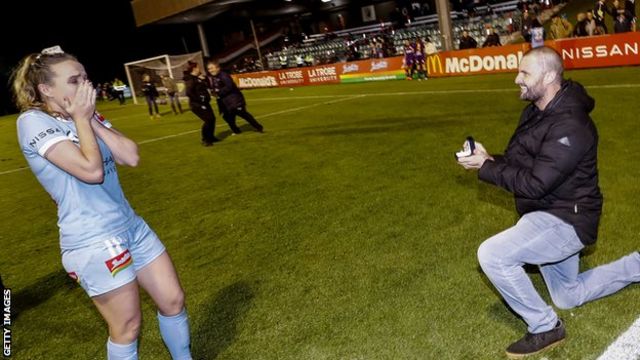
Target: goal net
{"points": [[156, 67]]}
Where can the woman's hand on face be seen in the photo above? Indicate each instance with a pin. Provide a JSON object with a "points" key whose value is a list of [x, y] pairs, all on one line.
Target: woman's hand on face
{"points": [[84, 103]]}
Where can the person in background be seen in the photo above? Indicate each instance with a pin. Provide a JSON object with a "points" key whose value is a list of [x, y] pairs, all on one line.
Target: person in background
{"points": [[591, 26], [630, 6], [150, 94], [419, 58], [599, 12], [580, 30], [625, 16], [467, 42], [200, 101], [531, 22], [230, 98], [118, 90], [172, 93], [551, 167], [560, 28], [308, 59], [493, 39], [106, 247], [408, 62]]}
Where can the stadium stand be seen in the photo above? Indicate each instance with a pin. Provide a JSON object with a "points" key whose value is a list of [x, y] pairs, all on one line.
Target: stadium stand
{"points": [[381, 40]]}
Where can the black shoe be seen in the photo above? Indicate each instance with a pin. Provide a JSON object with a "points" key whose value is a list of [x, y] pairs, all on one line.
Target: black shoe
{"points": [[260, 129], [207, 143], [215, 140], [532, 344]]}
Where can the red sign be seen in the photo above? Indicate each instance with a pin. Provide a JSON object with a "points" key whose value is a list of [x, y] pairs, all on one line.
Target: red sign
{"points": [[599, 51], [261, 79], [488, 60], [323, 74], [292, 77]]}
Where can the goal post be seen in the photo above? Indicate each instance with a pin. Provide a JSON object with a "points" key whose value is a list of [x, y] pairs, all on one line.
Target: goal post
{"points": [[156, 67]]}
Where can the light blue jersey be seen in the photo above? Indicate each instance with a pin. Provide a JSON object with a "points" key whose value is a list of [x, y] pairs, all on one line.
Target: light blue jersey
{"points": [[87, 213]]}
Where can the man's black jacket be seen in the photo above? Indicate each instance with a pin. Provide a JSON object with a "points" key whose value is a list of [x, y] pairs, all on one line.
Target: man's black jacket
{"points": [[468, 43], [551, 162], [226, 90]]}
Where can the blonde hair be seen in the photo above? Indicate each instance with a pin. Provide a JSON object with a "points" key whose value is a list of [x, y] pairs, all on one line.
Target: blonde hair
{"points": [[34, 69]]}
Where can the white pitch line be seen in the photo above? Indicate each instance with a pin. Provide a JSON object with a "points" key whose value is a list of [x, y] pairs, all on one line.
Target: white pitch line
{"points": [[14, 170], [193, 131], [626, 346]]}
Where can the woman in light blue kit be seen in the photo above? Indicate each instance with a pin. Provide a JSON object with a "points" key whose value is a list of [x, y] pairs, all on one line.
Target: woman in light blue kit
{"points": [[108, 249]]}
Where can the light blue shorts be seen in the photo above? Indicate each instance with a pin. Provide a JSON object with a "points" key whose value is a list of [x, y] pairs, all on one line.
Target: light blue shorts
{"points": [[109, 264]]}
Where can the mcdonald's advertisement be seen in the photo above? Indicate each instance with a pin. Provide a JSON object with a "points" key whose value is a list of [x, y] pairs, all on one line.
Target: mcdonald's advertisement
{"points": [[577, 53], [497, 59]]}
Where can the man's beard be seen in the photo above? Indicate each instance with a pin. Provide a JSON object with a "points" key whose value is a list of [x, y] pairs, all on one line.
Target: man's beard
{"points": [[532, 93]]}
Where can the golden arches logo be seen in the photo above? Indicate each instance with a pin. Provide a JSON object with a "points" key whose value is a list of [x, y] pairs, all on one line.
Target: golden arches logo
{"points": [[434, 64]]}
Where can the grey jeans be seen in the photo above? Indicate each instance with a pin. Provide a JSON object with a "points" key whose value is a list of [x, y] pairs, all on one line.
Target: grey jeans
{"points": [[542, 239]]}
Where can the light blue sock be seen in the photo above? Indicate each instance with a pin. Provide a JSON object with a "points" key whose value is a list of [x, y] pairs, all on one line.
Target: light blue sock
{"points": [[122, 352], [175, 333]]}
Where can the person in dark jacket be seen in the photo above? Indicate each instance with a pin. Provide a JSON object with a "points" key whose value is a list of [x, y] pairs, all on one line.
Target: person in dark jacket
{"points": [[199, 101], [550, 165], [493, 39], [150, 94], [467, 42], [172, 93], [230, 100], [599, 11]]}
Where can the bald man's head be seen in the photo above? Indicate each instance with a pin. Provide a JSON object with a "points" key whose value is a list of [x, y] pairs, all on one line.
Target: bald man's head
{"points": [[549, 61], [540, 76]]}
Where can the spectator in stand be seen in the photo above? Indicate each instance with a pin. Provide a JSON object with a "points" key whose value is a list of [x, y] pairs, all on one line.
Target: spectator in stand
{"points": [[249, 64], [630, 6], [308, 60], [172, 93], [230, 99], [591, 26], [467, 42], [150, 94], [284, 60], [599, 11], [629, 13], [622, 23], [530, 22], [299, 60], [493, 39], [580, 30], [560, 28]]}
